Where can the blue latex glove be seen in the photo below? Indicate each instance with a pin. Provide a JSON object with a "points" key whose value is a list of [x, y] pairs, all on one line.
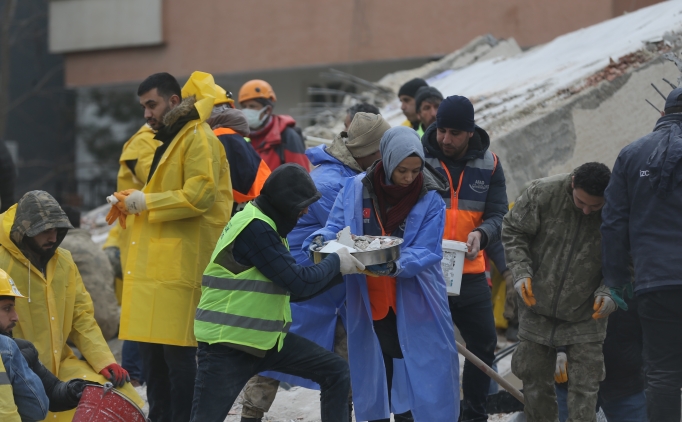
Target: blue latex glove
{"points": [[380, 269], [618, 295], [316, 245]]}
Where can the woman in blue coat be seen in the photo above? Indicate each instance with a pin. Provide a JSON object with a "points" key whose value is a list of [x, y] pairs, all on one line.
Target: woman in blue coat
{"points": [[400, 333]]}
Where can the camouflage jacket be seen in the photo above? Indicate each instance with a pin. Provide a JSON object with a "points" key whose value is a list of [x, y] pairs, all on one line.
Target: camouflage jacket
{"points": [[547, 238]]}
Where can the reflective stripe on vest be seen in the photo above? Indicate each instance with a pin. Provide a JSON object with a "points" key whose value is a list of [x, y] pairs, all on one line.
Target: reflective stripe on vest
{"points": [[466, 204], [245, 308], [4, 379]]}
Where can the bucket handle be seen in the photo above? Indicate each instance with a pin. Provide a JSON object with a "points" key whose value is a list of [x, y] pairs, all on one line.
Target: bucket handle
{"points": [[107, 387]]}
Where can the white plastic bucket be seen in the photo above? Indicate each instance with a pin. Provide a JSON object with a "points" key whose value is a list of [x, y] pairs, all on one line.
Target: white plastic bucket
{"points": [[453, 265]]}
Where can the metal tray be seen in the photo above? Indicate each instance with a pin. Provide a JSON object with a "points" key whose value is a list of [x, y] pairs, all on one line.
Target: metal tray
{"points": [[376, 257]]}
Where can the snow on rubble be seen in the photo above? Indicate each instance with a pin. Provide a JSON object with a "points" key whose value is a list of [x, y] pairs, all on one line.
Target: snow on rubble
{"points": [[501, 88]]}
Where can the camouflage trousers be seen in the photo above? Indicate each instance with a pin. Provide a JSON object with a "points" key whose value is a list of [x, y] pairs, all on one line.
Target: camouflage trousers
{"points": [[260, 392], [534, 364]]}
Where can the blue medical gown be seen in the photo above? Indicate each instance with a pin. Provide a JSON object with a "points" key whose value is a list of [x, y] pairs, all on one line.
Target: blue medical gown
{"points": [[427, 379]]}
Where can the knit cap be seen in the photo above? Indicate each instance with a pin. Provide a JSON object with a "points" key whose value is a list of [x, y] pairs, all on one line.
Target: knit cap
{"points": [[424, 93], [456, 112], [674, 98], [364, 134], [410, 87]]}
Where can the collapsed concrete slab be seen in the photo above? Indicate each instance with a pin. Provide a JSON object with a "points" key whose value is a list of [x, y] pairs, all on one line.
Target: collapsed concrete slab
{"points": [[578, 98]]}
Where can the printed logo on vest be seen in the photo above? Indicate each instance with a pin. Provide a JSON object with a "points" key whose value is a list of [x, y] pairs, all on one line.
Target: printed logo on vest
{"points": [[365, 213], [479, 186], [644, 173]]}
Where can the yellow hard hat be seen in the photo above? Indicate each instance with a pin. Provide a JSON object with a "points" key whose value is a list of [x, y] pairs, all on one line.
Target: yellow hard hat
{"points": [[7, 286], [256, 88], [223, 97]]}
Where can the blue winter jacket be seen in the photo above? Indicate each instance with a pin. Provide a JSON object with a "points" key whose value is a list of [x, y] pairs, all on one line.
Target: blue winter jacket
{"points": [[315, 319], [641, 218], [29, 393], [427, 379]]}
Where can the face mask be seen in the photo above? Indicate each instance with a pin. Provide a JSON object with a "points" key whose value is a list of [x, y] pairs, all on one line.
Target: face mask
{"points": [[253, 117]]}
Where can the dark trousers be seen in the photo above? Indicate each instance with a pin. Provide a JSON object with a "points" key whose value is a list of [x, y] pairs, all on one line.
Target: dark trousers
{"points": [[472, 313], [170, 372], [660, 313], [224, 371], [387, 333], [131, 360]]}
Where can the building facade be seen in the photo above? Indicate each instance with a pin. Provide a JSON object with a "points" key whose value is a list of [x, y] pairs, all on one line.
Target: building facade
{"points": [[110, 46]]}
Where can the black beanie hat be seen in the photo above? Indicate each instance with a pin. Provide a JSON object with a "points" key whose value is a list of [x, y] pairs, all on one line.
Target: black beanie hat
{"points": [[456, 112], [410, 88], [674, 98], [424, 93], [285, 193]]}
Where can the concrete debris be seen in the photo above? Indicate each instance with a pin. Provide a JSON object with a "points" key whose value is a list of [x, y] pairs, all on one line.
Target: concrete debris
{"points": [[556, 106], [329, 122], [327, 125], [481, 48], [626, 63], [94, 221]]}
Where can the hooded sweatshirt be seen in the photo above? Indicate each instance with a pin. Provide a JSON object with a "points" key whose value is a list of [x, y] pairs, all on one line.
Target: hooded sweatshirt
{"points": [[278, 143], [641, 217], [287, 191]]}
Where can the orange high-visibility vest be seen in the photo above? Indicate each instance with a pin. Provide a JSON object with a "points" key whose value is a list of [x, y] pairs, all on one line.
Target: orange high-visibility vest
{"points": [[466, 204], [261, 174]]}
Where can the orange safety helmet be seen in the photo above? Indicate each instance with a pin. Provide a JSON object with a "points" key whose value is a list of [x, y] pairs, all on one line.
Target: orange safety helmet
{"points": [[256, 88], [223, 97]]}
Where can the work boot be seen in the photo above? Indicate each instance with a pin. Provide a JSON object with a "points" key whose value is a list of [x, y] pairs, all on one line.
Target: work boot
{"points": [[251, 419]]}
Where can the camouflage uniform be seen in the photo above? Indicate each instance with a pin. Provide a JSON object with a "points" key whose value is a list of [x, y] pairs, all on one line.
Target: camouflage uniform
{"points": [[548, 239], [98, 278], [260, 392]]}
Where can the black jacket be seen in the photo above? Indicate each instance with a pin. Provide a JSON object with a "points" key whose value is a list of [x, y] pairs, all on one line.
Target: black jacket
{"points": [[496, 206], [7, 178], [63, 395], [641, 217]]}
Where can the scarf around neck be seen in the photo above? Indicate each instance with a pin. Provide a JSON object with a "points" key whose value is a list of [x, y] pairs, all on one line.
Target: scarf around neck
{"points": [[395, 202]]}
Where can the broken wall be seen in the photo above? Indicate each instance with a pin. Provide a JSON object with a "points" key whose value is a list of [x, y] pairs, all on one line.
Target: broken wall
{"points": [[593, 126]]}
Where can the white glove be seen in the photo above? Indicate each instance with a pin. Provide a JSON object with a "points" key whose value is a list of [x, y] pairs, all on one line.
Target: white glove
{"points": [[349, 264], [136, 202], [561, 369], [604, 305]]}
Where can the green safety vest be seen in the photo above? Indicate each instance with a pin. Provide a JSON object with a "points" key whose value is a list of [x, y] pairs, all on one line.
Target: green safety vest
{"points": [[420, 130], [246, 308]]}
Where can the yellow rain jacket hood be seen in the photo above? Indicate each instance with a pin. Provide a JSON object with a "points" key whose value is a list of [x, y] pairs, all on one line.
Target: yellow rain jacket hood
{"points": [[137, 153], [189, 201], [59, 307]]}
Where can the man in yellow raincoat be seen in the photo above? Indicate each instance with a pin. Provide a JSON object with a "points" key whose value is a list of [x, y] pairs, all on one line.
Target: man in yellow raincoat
{"points": [[180, 213], [135, 162], [58, 306]]}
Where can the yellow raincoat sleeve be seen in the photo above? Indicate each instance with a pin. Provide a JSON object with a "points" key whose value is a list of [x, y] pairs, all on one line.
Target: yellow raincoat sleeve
{"points": [[85, 332], [199, 190], [8, 410]]}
